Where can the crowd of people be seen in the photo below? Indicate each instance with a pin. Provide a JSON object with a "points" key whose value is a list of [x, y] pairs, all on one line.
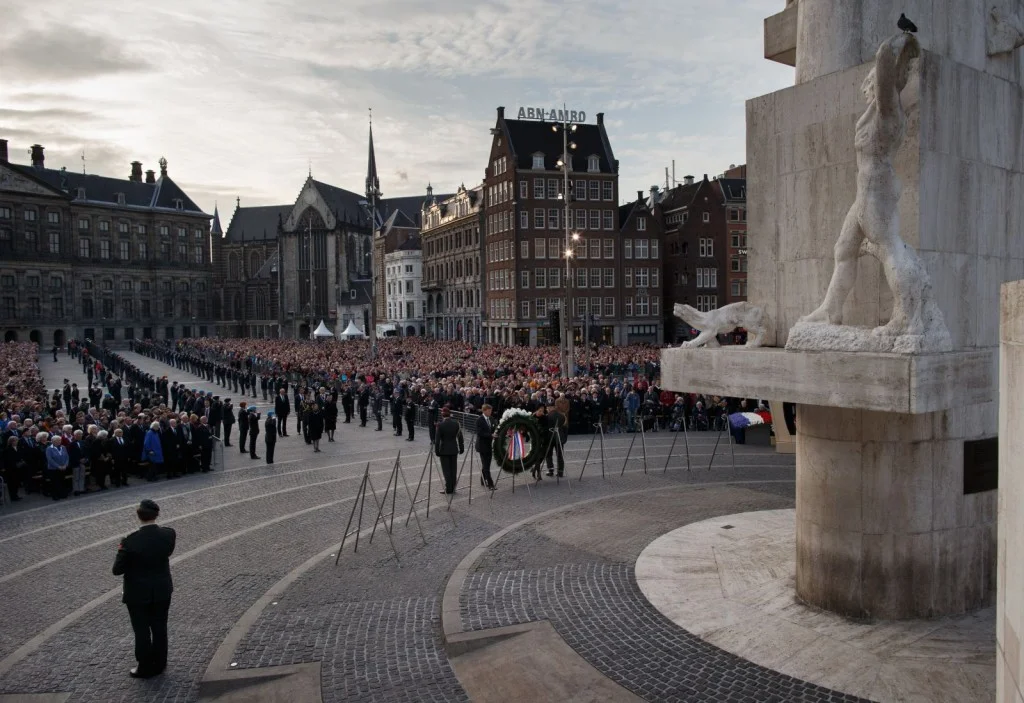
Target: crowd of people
{"points": [[126, 422], [78, 440]]}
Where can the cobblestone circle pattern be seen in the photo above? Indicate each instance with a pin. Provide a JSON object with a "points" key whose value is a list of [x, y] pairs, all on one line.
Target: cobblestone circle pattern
{"points": [[601, 613]]}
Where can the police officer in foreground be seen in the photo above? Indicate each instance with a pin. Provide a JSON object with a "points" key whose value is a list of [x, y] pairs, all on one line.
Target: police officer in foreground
{"points": [[143, 558]]}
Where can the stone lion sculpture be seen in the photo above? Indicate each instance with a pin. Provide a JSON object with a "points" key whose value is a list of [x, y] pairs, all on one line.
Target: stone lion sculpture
{"points": [[722, 321]]}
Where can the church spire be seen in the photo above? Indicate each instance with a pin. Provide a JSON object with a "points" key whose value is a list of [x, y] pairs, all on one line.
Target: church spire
{"points": [[372, 182], [215, 230]]}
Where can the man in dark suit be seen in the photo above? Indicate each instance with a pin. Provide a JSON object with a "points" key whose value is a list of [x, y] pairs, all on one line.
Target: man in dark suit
{"points": [[143, 558], [484, 443], [229, 419], [281, 409], [447, 446]]}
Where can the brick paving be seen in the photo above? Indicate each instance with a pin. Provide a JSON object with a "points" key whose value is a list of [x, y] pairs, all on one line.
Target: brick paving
{"points": [[372, 623]]}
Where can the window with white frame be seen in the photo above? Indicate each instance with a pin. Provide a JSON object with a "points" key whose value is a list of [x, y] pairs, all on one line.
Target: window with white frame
{"points": [[628, 306], [642, 306], [554, 188], [608, 218], [595, 190], [538, 218], [54, 241], [595, 248], [609, 307], [104, 248], [609, 248], [524, 190], [553, 218], [540, 249], [524, 249], [594, 165], [542, 308], [641, 224], [580, 278], [524, 310], [580, 191], [654, 249], [524, 219], [627, 249], [608, 191], [706, 217], [595, 220], [609, 278], [641, 278], [538, 188], [580, 306], [538, 162], [640, 248], [524, 279], [83, 248], [554, 248], [707, 247], [595, 278], [555, 278], [53, 218], [627, 276], [540, 278]]}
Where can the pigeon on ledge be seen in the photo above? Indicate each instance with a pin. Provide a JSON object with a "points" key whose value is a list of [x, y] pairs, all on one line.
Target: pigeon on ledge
{"points": [[905, 24]]}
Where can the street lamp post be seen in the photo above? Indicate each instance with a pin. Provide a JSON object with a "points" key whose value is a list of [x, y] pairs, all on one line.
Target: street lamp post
{"points": [[568, 350]]}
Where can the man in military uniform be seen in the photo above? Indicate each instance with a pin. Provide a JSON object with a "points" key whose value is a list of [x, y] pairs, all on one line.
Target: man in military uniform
{"points": [[216, 415], [254, 431], [228, 411], [243, 425]]}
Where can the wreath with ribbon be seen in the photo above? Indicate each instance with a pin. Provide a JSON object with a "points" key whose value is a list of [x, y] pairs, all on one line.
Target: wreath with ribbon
{"points": [[518, 443]]}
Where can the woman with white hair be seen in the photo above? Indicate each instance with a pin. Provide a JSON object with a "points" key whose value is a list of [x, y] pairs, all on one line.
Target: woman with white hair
{"points": [[152, 452], [101, 459], [56, 466]]}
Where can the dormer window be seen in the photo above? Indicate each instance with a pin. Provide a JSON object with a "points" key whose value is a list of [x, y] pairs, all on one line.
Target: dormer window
{"points": [[120, 198], [177, 203], [538, 162], [81, 193], [594, 163]]}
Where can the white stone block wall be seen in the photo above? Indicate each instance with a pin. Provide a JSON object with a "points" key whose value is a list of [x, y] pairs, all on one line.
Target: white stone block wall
{"points": [[1010, 541]]}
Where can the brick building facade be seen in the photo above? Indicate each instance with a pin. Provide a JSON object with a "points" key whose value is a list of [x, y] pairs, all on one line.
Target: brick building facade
{"points": [[524, 241], [452, 265], [88, 256]]}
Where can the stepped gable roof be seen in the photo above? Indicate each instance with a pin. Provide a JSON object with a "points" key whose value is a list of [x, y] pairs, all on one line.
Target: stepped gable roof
{"points": [[255, 224], [528, 137]]}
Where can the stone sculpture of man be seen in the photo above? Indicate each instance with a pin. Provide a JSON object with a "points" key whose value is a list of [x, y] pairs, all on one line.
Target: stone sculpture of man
{"points": [[872, 223]]}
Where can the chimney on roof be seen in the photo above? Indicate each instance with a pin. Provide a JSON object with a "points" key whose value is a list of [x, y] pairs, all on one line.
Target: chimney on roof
{"points": [[654, 195], [600, 118], [136, 176], [501, 113], [688, 180], [150, 176], [37, 156], [3, 151], [640, 194]]}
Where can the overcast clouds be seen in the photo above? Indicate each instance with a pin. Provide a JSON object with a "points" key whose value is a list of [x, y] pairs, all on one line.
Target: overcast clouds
{"points": [[240, 96]]}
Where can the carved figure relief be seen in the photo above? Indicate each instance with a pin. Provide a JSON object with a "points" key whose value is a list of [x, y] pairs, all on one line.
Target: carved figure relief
{"points": [[723, 321], [872, 226]]}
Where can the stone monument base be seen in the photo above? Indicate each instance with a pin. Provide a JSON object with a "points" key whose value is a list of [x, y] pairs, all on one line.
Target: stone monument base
{"points": [[730, 581], [821, 336]]}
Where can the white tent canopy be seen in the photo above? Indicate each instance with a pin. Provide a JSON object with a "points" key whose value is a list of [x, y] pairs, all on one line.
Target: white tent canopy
{"points": [[322, 332], [352, 332]]}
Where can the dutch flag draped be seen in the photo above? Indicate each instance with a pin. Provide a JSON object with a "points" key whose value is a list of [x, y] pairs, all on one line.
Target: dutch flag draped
{"points": [[516, 446]]}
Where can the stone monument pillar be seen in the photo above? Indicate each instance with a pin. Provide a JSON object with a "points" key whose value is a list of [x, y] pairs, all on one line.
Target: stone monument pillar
{"points": [[892, 170], [1010, 603]]}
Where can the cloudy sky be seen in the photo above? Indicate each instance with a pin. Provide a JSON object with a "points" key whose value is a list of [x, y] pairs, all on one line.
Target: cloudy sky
{"points": [[242, 96]]}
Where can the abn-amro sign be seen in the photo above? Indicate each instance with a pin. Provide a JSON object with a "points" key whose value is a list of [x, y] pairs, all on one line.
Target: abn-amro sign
{"points": [[552, 115]]}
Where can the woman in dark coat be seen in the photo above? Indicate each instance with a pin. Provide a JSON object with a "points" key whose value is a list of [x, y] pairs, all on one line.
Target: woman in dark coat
{"points": [[314, 420], [331, 416]]}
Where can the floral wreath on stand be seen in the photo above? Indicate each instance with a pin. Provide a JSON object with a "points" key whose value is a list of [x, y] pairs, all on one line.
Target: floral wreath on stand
{"points": [[516, 428]]}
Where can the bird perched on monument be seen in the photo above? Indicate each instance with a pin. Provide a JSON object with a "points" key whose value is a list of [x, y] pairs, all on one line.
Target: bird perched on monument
{"points": [[905, 24]]}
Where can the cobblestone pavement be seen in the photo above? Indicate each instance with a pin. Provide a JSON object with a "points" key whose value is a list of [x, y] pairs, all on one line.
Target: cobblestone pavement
{"points": [[372, 621], [575, 569]]}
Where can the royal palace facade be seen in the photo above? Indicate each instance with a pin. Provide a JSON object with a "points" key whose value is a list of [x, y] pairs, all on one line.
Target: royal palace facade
{"points": [[95, 257]]}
